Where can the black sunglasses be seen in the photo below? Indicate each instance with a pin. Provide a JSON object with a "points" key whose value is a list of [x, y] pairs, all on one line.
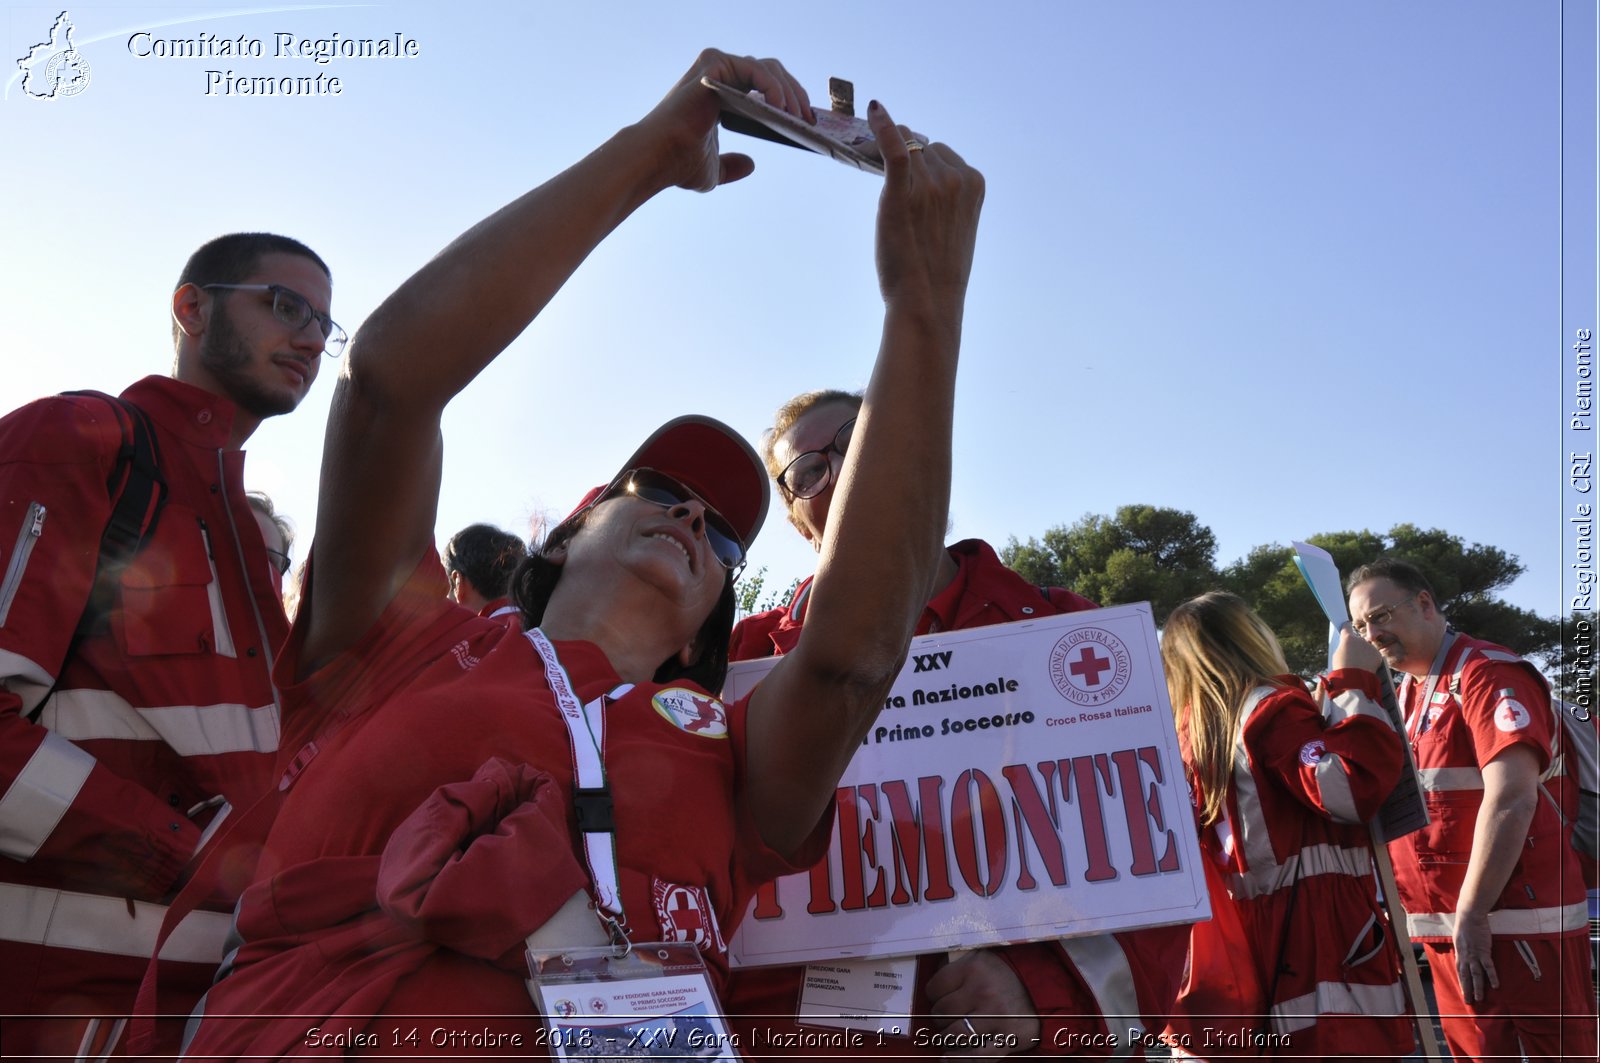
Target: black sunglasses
{"points": [[666, 492]]}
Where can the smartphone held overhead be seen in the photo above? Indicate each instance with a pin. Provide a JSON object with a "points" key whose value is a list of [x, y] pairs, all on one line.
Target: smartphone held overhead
{"points": [[838, 133]]}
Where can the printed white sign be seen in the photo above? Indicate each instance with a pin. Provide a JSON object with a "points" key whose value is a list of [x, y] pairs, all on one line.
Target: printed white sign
{"points": [[860, 994], [1023, 781]]}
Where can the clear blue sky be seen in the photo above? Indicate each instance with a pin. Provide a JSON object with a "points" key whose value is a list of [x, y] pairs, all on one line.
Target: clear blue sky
{"points": [[1292, 267]]}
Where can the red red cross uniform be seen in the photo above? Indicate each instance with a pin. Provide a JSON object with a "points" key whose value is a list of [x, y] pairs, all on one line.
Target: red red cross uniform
{"points": [[1088, 992], [419, 748], [1298, 958], [1485, 700], [169, 708]]}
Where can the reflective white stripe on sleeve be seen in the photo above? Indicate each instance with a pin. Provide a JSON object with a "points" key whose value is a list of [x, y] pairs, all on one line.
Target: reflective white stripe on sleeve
{"points": [[1266, 875], [1323, 859], [191, 730], [1104, 967], [87, 921], [1250, 833], [1442, 779], [1503, 658], [40, 795], [24, 678], [1334, 787], [1348, 703], [1506, 922], [1337, 998]]}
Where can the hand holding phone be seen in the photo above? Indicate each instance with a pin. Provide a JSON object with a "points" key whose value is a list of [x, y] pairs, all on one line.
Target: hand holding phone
{"points": [[840, 135]]}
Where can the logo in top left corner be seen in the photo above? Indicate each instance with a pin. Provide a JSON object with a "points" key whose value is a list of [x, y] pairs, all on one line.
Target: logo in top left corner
{"points": [[54, 68]]}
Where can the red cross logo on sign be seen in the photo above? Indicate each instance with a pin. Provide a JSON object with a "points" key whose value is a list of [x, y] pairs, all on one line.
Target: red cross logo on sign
{"points": [[1089, 665]]}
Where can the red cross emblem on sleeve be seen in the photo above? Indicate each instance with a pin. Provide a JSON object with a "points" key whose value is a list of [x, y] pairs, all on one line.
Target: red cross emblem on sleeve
{"points": [[1510, 715], [685, 914]]}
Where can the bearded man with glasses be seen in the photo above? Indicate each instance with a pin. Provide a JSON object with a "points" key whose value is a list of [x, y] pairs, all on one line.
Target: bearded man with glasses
{"points": [[1491, 886], [130, 728]]}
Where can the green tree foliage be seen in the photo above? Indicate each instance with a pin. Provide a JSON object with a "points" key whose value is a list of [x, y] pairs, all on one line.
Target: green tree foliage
{"points": [[1144, 553], [1164, 556], [775, 599], [748, 590], [747, 593], [1465, 578]]}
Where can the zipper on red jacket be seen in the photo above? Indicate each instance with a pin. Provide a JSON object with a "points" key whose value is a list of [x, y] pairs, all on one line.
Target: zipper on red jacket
{"points": [[222, 634], [32, 529], [308, 752]]}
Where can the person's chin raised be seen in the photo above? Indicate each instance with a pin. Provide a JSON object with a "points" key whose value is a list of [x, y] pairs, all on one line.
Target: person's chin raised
{"points": [[674, 545], [296, 372]]}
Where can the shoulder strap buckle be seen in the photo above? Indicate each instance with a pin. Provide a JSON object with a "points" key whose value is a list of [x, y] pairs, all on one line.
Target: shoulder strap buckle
{"points": [[593, 808]]}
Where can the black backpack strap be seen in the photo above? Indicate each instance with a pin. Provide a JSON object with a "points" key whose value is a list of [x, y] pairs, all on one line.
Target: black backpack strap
{"points": [[136, 484], [138, 491]]}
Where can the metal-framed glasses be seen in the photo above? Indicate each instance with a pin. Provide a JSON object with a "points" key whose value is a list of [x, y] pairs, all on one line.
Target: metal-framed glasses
{"points": [[279, 559], [1379, 617], [294, 312], [668, 493], [808, 475]]}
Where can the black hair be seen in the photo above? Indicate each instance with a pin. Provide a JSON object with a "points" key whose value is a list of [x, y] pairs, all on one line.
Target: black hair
{"points": [[535, 581], [485, 556], [230, 259]]}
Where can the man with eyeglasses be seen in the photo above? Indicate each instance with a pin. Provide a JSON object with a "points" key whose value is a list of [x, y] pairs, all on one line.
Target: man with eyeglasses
{"points": [[1088, 997], [277, 534], [130, 730], [1491, 886]]}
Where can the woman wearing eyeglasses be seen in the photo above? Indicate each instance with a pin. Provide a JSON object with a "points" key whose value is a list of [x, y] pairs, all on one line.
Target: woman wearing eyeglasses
{"points": [[1092, 996], [1298, 958], [451, 787]]}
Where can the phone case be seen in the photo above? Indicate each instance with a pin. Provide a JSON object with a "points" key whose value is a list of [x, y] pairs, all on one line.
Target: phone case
{"points": [[842, 136]]}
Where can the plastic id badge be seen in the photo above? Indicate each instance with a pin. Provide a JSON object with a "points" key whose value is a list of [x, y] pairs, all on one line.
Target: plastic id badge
{"points": [[654, 1000], [874, 994]]}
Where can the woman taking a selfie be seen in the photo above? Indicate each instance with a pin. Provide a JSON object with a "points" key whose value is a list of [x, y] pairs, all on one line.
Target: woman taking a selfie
{"points": [[451, 786]]}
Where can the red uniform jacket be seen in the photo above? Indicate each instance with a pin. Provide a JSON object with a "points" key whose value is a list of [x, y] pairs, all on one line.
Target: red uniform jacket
{"points": [[1298, 957], [1500, 701], [169, 708], [426, 827]]}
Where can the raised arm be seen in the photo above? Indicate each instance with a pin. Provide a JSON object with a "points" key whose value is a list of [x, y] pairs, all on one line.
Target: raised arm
{"points": [[440, 328], [887, 518]]}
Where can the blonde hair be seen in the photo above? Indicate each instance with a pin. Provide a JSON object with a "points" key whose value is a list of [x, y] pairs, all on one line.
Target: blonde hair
{"points": [[1215, 651]]}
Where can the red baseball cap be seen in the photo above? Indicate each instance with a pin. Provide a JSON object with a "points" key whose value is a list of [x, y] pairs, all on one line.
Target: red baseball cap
{"points": [[708, 458]]}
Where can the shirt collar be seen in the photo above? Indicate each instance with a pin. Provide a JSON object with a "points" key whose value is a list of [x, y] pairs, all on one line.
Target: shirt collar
{"points": [[193, 414], [940, 613]]}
